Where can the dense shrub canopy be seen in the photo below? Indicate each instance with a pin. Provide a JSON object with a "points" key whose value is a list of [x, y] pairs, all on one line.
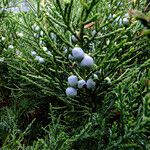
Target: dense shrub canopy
{"points": [[74, 75]]}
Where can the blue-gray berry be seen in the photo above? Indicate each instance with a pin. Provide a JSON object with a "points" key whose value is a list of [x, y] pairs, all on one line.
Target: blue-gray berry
{"points": [[53, 36], [94, 32], [87, 62], [71, 92], [39, 59], [33, 53], [41, 33], [72, 80], [10, 46], [37, 28], [70, 57], [74, 39], [125, 21], [90, 84], [65, 50], [81, 83], [44, 48], [77, 53]]}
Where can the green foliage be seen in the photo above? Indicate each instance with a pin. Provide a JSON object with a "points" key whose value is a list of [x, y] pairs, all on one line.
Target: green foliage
{"points": [[36, 49]]}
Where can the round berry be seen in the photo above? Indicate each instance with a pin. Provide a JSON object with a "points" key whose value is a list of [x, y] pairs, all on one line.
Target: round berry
{"points": [[125, 21], [37, 57], [10, 46], [19, 34], [72, 80], [41, 60], [41, 33], [33, 26], [53, 36], [74, 39], [77, 53], [87, 62], [71, 92], [90, 84], [3, 38], [70, 57], [81, 83], [37, 28], [45, 48], [126, 15], [65, 50], [41, 42], [33, 53], [94, 32], [36, 35], [111, 16], [120, 23]]}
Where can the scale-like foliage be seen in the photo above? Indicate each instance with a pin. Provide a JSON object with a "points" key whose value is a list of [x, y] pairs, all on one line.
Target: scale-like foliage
{"points": [[90, 62]]}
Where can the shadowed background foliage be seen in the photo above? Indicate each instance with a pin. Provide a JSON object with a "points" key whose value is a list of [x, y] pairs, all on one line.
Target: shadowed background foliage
{"points": [[35, 63]]}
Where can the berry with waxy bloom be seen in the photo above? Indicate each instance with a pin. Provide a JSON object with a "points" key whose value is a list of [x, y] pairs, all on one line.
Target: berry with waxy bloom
{"points": [[19, 34], [45, 48], [37, 28], [39, 59], [53, 36], [3, 38], [41, 42], [2, 59], [70, 57], [90, 84], [10, 46], [94, 32], [81, 83], [74, 39], [125, 21], [119, 4], [126, 15], [77, 53], [18, 53], [41, 33], [111, 16], [72, 80], [65, 50], [87, 62], [33, 26], [71, 92], [33, 53], [36, 35]]}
